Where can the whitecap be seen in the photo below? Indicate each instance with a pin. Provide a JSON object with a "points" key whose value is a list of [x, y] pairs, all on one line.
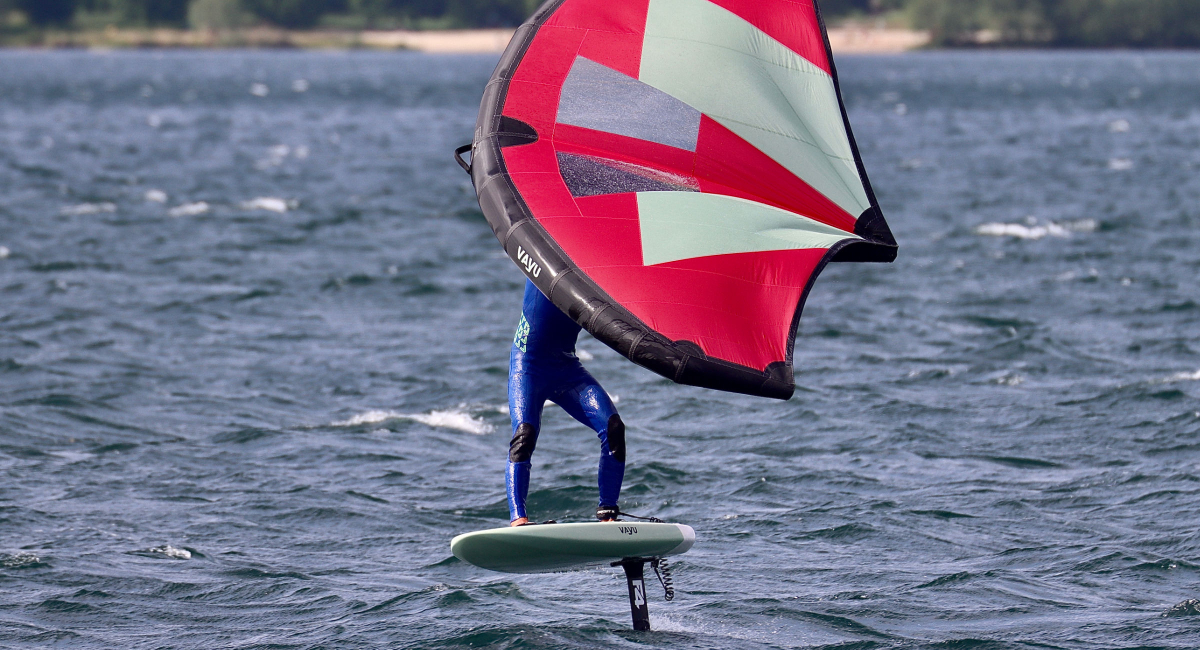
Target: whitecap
{"points": [[1120, 164], [88, 208], [4, 252], [172, 552], [459, 420], [584, 355], [1031, 229], [300, 86], [156, 196], [1021, 231], [19, 560], [269, 203], [276, 155], [189, 209], [1185, 376], [1082, 225], [1118, 126], [371, 417], [260, 90]]}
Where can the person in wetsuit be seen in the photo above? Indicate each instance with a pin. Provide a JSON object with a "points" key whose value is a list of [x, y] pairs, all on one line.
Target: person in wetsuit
{"points": [[543, 366]]}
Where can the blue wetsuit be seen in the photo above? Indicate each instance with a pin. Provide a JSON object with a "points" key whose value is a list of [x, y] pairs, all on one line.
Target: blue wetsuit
{"points": [[543, 366]]}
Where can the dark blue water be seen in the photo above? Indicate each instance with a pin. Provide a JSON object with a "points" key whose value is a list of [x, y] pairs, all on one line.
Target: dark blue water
{"points": [[254, 334]]}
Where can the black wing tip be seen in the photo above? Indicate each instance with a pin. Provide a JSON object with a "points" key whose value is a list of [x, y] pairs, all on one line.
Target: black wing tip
{"points": [[776, 382], [685, 363], [878, 243]]}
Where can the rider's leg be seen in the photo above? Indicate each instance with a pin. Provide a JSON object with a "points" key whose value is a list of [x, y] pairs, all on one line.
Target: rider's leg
{"points": [[525, 409], [587, 402]]}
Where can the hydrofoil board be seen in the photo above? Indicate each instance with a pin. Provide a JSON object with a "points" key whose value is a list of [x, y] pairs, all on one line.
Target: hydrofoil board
{"points": [[549, 548]]}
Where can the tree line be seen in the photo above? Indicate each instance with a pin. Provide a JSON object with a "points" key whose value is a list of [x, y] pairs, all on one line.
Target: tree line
{"points": [[1062, 23], [292, 14], [1067, 23]]}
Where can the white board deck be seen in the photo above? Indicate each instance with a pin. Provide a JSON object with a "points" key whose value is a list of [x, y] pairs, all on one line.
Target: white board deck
{"points": [[548, 548]]}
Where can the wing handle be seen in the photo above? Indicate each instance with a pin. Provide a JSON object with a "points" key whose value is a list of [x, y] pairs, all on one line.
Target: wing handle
{"points": [[459, 159]]}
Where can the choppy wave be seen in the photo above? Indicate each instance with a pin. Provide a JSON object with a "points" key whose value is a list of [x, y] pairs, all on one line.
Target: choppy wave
{"points": [[977, 456], [172, 552], [88, 208], [1032, 230], [22, 560], [189, 209], [270, 204], [457, 419], [1189, 607]]}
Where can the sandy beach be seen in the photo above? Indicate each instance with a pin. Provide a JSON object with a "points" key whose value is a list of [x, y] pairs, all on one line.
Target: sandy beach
{"points": [[870, 40], [844, 40]]}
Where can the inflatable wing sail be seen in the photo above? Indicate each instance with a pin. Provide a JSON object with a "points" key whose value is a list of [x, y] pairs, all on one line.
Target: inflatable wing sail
{"points": [[674, 174]]}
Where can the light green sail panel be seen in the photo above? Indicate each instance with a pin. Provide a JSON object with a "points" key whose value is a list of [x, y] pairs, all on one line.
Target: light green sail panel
{"points": [[685, 225], [725, 67]]}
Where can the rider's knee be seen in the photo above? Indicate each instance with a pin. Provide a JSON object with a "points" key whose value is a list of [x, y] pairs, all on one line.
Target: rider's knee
{"points": [[616, 438], [520, 450]]}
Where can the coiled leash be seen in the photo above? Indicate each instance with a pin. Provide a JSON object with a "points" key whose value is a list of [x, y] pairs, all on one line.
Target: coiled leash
{"points": [[668, 583]]}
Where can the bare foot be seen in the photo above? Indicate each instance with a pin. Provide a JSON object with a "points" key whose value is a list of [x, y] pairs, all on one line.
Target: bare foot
{"points": [[519, 522]]}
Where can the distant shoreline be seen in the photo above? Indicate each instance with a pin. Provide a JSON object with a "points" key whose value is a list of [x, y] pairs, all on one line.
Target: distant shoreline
{"points": [[844, 40]]}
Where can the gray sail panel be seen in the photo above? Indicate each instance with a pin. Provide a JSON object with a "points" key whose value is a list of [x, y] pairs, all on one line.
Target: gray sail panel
{"points": [[597, 97], [588, 176]]}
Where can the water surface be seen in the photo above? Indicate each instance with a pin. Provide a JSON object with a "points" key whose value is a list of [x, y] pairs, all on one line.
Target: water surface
{"points": [[254, 336]]}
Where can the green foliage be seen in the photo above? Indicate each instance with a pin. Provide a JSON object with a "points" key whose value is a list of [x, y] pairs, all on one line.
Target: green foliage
{"points": [[11, 16], [218, 14], [48, 12], [960, 21], [296, 14], [1079, 23], [1133, 23], [834, 8], [489, 13], [130, 12]]}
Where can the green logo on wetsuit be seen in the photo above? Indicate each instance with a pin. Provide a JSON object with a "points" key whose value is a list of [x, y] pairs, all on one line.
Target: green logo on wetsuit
{"points": [[522, 337]]}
